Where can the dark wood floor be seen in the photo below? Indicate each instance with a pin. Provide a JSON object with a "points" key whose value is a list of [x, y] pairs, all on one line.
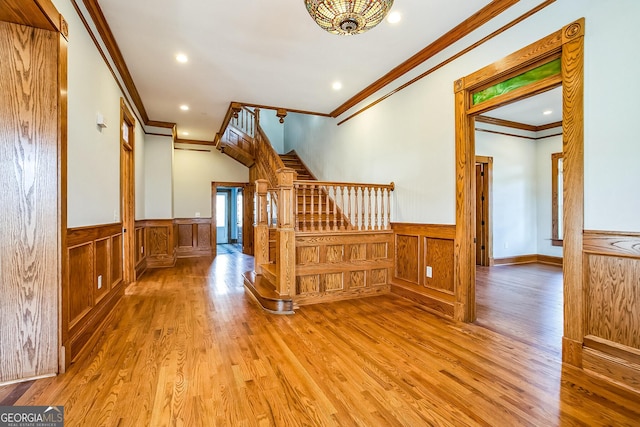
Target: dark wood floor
{"points": [[523, 302], [187, 347]]}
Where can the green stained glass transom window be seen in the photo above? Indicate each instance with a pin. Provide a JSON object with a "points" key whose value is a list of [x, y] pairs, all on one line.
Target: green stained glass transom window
{"points": [[536, 74]]}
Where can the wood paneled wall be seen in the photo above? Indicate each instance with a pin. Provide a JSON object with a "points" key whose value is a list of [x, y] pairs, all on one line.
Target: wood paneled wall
{"points": [[93, 284], [334, 266], [193, 237], [161, 245], [140, 249], [612, 297], [160, 242], [419, 246], [30, 196]]}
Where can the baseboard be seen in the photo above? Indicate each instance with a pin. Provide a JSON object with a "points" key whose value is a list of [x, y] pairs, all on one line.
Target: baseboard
{"points": [[527, 259], [434, 305], [612, 362]]}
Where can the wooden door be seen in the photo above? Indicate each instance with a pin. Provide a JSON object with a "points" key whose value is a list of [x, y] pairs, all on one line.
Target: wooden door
{"points": [[127, 192], [483, 217]]}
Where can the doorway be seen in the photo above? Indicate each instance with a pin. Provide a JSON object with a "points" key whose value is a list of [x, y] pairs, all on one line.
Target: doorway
{"points": [[484, 237], [232, 217], [127, 191], [567, 46]]}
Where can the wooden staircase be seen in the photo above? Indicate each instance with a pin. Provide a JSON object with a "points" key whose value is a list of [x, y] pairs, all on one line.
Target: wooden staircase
{"points": [[314, 241], [291, 160]]}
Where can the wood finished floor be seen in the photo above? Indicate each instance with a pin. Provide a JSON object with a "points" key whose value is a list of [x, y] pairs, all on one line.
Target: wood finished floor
{"points": [[523, 302], [187, 347]]}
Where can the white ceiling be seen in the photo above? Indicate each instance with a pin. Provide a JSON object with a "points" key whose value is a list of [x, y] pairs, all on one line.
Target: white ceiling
{"points": [[267, 52], [530, 110]]}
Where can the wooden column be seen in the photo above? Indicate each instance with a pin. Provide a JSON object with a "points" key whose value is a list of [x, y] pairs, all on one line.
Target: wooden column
{"points": [[285, 235], [261, 227]]}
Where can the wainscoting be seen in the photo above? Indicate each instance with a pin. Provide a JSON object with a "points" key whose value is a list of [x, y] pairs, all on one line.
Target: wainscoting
{"points": [[422, 249], [169, 239], [612, 294], [336, 266], [141, 248], [93, 284], [193, 237], [159, 238]]}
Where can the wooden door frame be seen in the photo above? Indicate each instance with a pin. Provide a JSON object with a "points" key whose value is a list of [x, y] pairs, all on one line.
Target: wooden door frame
{"points": [[214, 231], [127, 194], [488, 206], [568, 45]]}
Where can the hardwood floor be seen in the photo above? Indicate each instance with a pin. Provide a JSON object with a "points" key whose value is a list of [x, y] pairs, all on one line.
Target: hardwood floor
{"points": [[187, 347], [523, 302]]}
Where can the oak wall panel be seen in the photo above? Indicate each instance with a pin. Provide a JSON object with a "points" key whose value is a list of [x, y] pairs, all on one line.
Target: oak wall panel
{"points": [[161, 244], [439, 255], [612, 306], [613, 298], [92, 252], [407, 258], [102, 267], [193, 237], [419, 246], [185, 235], [80, 282], [141, 249]]}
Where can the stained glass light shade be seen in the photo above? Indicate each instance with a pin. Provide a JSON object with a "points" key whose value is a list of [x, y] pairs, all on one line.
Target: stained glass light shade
{"points": [[347, 17]]}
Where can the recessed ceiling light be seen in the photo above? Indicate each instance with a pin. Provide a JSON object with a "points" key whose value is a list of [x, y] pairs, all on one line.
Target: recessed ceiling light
{"points": [[336, 85], [181, 57], [184, 107], [185, 133], [547, 112], [394, 18]]}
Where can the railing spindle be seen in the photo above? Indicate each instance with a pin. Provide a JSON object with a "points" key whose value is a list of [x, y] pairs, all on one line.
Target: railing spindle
{"points": [[304, 207], [296, 191], [388, 209], [376, 223], [335, 208], [312, 221], [326, 192]]}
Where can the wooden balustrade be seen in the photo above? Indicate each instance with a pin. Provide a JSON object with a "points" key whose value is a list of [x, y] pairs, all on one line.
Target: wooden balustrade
{"points": [[268, 162], [342, 206], [245, 120]]}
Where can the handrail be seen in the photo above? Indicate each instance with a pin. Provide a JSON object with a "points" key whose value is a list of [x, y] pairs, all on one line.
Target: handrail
{"points": [[268, 161]]}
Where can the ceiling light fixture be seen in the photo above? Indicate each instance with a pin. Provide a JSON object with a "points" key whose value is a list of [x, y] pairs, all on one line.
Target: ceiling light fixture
{"points": [[184, 107], [347, 17], [547, 112], [182, 58], [336, 86], [394, 18]]}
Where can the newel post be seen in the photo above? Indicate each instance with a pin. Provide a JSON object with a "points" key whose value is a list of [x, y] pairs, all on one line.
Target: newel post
{"points": [[285, 236], [261, 227]]}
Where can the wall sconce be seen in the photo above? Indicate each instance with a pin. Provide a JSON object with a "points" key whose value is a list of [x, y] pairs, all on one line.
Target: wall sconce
{"points": [[100, 122]]}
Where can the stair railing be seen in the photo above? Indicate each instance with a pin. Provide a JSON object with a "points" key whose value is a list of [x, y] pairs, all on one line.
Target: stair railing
{"points": [[342, 206]]}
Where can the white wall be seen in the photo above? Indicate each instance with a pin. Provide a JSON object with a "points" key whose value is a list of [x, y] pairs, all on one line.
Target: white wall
{"points": [[158, 164], [409, 137], [514, 212], [193, 173], [271, 125], [140, 181], [93, 187], [544, 148]]}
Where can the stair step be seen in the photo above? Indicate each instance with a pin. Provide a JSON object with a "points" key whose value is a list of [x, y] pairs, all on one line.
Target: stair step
{"points": [[269, 272], [265, 294]]}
